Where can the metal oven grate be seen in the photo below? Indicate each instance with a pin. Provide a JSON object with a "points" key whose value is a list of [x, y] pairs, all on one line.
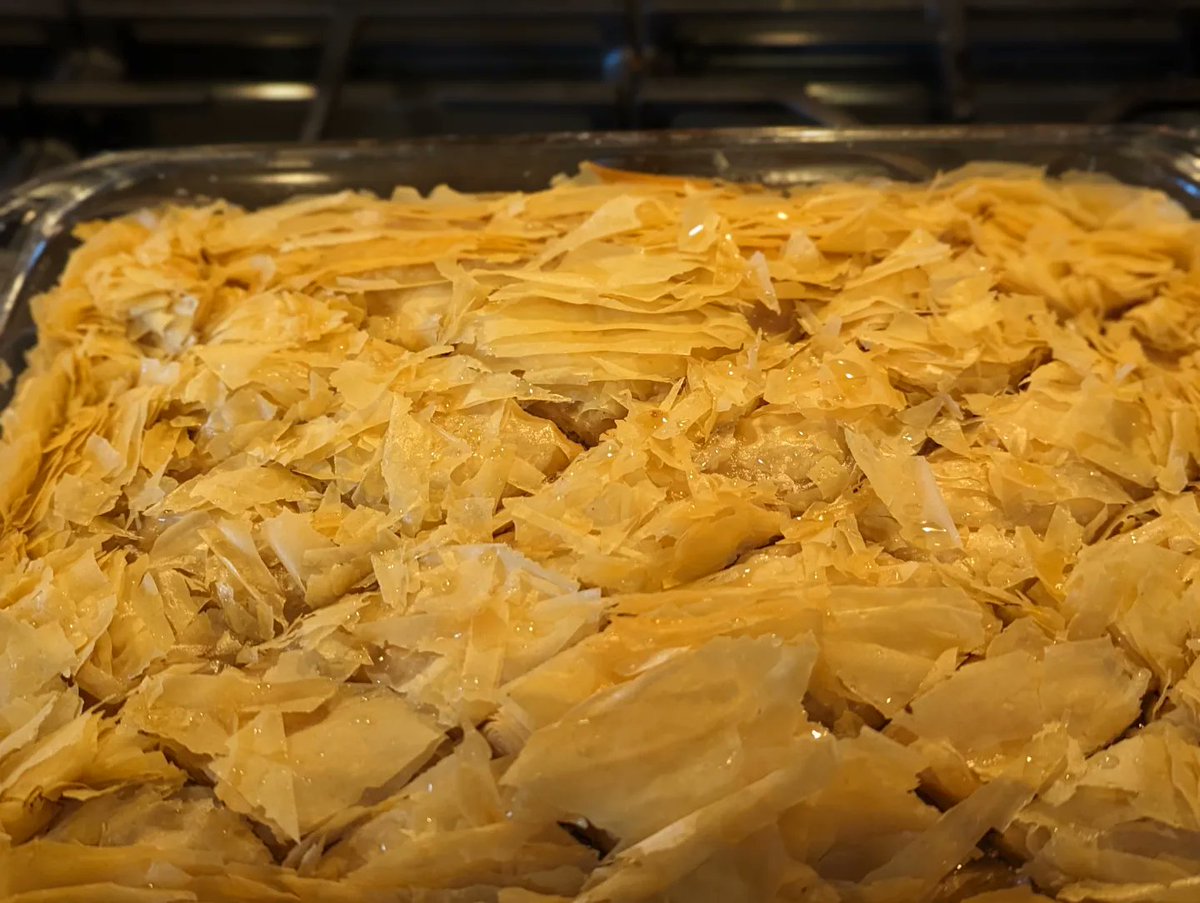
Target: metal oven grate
{"points": [[78, 76]]}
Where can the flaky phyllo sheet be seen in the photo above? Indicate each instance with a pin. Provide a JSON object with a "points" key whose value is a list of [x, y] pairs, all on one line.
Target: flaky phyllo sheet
{"points": [[636, 539]]}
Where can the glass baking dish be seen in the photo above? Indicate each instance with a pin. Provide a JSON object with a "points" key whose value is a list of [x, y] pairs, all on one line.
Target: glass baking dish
{"points": [[37, 218]]}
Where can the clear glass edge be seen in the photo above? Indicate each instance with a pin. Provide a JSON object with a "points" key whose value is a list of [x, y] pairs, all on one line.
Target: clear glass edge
{"points": [[37, 209]]}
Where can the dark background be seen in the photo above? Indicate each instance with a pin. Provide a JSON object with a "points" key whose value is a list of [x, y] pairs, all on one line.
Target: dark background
{"points": [[80, 76]]}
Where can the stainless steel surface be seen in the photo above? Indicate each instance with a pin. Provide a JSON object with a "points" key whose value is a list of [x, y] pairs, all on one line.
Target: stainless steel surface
{"points": [[103, 74]]}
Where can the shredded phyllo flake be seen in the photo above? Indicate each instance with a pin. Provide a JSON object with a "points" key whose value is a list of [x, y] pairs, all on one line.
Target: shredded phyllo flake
{"points": [[638, 539]]}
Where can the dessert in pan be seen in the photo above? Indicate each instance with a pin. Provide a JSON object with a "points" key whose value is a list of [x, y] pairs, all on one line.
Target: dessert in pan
{"points": [[639, 538]]}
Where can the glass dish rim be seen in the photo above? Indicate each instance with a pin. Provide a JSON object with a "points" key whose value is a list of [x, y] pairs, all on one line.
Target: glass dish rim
{"points": [[33, 212]]}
